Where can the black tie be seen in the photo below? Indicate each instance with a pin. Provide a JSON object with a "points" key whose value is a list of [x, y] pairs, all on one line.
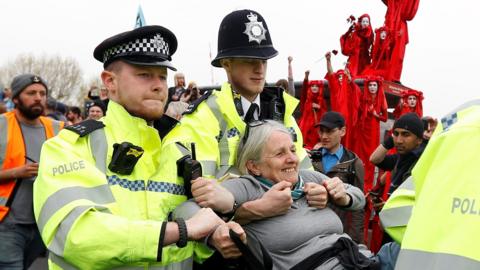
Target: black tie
{"points": [[249, 116]]}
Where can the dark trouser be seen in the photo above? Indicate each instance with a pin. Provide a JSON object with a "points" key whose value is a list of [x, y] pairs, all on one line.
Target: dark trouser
{"points": [[20, 245]]}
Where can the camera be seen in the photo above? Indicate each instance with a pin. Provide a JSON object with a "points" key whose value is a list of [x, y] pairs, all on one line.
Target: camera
{"points": [[316, 154]]}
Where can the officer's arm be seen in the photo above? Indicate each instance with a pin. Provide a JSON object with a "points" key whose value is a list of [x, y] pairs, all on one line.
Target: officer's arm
{"points": [[276, 201], [397, 211], [77, 214]]}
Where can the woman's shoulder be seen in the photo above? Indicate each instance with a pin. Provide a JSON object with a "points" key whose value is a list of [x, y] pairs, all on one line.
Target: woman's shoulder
{"points": [[245, 180]]}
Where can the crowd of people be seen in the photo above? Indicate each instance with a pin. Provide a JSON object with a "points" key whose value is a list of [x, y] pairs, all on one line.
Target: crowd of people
{"points": [[154, 177]]}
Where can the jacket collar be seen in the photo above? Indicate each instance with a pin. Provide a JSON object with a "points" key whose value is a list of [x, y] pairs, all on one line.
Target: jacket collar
{"points": [[129, 128]]}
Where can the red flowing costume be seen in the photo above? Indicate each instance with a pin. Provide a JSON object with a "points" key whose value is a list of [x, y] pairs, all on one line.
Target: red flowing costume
{"points": [[368, 131], [356, 44], [403, 108], [381, 54], [398, 13], [311, 116], [345, 99]]}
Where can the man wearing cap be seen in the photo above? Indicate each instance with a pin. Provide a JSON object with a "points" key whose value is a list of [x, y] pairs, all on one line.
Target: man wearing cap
{"points": [[107, 189], [217, 120], [331, 158], [408, 141], [22, 133]]}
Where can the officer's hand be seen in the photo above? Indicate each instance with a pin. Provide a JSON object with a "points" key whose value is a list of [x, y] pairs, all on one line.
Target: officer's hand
{"points": [[208, 193], [316, 195], [26, 171], [223, 243], [277, 200], [336, 190], [202, 224]]}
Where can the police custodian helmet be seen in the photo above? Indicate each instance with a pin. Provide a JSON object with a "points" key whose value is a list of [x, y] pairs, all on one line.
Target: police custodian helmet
{"points": [[244, 34], [151, 45]]}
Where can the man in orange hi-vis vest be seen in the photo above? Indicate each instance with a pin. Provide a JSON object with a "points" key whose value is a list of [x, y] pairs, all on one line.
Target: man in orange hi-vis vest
{"points": [[22, 133]]}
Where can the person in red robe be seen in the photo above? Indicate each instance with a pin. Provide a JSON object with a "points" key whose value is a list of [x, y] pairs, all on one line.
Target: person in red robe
{"points": [[381, 53], [312, 106], [344, 98], [398, 13], [356, 44], [411, 101], [373, 109]]}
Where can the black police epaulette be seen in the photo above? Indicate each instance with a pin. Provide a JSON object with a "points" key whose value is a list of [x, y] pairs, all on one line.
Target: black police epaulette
{"points": [[192, 107], [86, 127]]}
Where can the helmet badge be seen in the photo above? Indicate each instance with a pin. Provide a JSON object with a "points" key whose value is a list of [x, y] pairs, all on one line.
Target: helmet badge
{"points": [[255, 29]]}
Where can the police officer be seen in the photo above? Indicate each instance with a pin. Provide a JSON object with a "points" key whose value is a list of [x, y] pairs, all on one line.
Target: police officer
{"points": [[217, 120], [106, 189], [442, 231]]}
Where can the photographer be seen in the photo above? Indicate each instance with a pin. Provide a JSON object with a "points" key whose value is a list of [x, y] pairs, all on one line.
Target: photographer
{"points": [[331, 158]]}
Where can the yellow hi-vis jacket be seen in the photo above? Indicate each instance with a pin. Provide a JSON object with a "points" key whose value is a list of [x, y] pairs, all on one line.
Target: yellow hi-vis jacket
{"points": [[217, 128], [442, 232], [92, 218]]}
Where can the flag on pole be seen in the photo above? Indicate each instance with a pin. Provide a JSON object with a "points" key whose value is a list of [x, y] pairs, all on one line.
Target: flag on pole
{"points": [[140, 20]]}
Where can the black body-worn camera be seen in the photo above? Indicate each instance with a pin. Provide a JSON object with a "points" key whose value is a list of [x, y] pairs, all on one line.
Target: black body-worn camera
{"points": [[125, 157]]}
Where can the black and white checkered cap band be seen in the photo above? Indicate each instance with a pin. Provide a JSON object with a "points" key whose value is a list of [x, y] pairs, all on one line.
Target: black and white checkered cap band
{"points": [[155, 45]]}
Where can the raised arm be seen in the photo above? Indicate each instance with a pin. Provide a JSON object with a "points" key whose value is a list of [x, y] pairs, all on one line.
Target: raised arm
{"points": [[291, 82], [328, 56]]}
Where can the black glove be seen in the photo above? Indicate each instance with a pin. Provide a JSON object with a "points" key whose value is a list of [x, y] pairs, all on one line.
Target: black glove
{"points": [[388, 143]]}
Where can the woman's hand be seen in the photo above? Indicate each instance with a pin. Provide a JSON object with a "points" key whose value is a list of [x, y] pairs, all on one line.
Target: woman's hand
{"points": [[337, 192], [316, 194]]}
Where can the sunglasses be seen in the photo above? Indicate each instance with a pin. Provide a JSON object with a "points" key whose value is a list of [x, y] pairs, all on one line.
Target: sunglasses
{"points": [[250, 125]]}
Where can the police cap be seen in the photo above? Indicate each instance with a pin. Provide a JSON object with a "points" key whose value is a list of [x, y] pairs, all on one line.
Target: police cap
{"points": [[244, 34], [151, 45]]}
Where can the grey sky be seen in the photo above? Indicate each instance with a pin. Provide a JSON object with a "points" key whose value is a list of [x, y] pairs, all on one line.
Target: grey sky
{"points": [[441, 59]]}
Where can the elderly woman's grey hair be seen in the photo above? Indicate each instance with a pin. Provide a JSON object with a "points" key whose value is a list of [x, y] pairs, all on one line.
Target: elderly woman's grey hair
{"points": [[253, 147]]}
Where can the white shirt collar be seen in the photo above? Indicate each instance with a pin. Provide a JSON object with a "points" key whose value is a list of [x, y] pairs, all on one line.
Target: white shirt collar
{"points": [[246, 104]]}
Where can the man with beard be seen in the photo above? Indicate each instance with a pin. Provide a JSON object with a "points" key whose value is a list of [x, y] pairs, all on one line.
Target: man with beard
{"points": [[22, 133]]}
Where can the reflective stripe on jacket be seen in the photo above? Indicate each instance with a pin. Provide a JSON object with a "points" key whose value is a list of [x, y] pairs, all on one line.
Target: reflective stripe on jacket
{"points": [[12, 151], [92, 218], [216, 128], [397, 210], [443, 230]]}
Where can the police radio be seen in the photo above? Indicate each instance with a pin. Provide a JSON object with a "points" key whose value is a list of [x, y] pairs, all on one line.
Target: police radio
{"points": [[190, 169]]}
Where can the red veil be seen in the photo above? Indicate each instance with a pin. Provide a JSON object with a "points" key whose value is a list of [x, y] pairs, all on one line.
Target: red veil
{"points": [[398, 13], [403, 108], [368, 131]]}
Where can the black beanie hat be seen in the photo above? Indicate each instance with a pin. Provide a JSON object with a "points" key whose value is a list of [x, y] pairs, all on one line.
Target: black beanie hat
{"points": [[410, 122]]}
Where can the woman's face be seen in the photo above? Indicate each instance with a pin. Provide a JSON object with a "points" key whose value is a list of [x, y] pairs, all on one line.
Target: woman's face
{"points": [[372, 87], [279, 161], [412, 101], [314, 88], [383, 35], [365, 22]]}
